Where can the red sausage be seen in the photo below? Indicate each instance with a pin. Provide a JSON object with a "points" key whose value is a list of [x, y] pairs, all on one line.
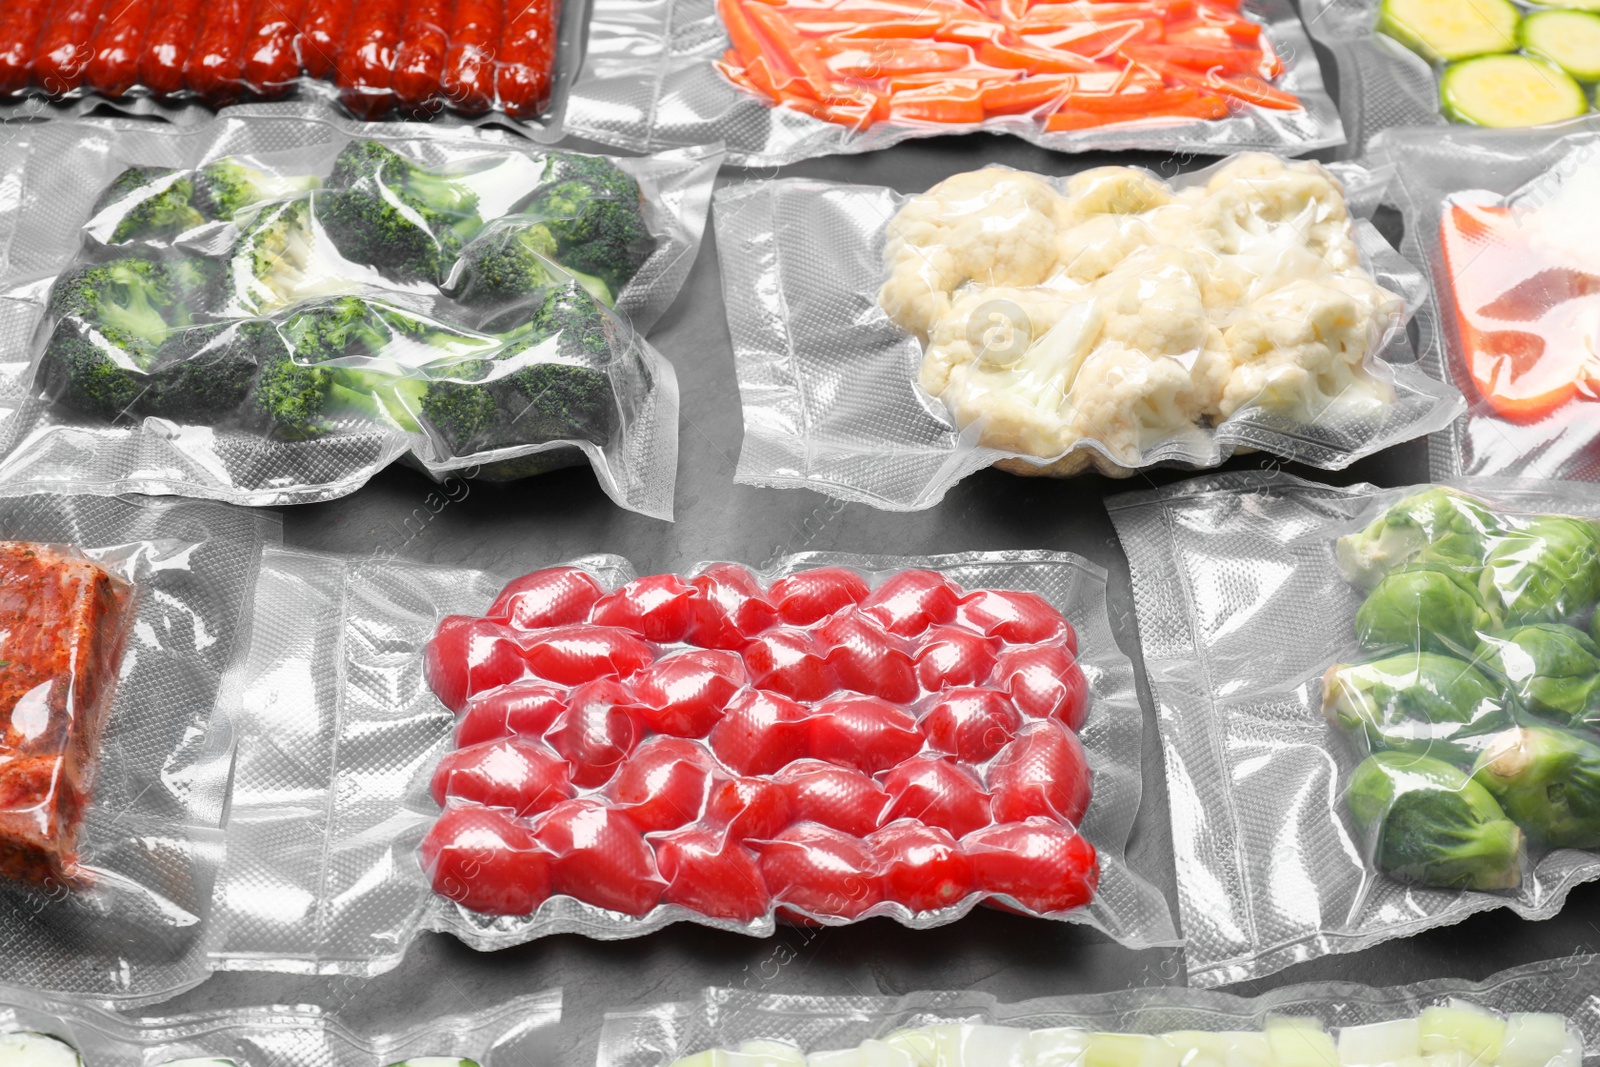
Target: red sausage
{"points": [[168, 45], [419, 64], [114, 51], [366, 61], [270, 65], [20, 23], [320, 35], [63, 49], [215, 70], [469, 63], [527, 54]]}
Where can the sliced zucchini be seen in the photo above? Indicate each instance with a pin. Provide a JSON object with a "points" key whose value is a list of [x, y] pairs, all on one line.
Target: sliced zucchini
{"points": [[24, 1048], [435, 1061], [1573, 5], [1569, 39], [202, 1061], [1444, 31], [1510, 91]]}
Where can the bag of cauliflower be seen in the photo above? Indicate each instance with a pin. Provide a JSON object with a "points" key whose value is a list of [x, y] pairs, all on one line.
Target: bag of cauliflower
{"points": [[889, 345]]}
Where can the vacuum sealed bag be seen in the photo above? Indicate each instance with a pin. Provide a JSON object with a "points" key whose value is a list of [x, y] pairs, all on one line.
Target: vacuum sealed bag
{"points": [[122, 622], [269, 311], [837, 738], [1379, 707], [39, 1030], [1109, 319], [1543, 1015], [1500, 219], [780, 82]]}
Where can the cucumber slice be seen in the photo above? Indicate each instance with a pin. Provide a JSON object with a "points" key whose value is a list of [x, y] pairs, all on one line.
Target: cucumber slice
{"points": [[1510, 91], [24, 1048], [1444, 31], [1569, 39]]}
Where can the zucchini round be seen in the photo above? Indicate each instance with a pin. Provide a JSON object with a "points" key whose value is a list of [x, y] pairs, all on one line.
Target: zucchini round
{"points": [[1569, 39], [1569, 5], [1510, 91], [1444, 31]]}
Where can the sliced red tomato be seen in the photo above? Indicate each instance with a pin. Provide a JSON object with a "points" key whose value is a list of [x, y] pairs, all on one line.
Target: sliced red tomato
{"points": [[657, 607], [573, 655], [760, 732], [788, 661], [482, 860], [971, 724], [520, 776], [839, 797], [937, 792], [865, 658], [711, 874], [596, 732], [663, 784], [467, 656], [1042, 865], [819, 872], [865, 733], [684, 695], [1044, 681], [1017, 618], [729, 607], [554, 596], [953, 655], [748, 808], [523, 709], [920, 867], [813, 595], [1044, 771], [911, 601], [599, 857]]}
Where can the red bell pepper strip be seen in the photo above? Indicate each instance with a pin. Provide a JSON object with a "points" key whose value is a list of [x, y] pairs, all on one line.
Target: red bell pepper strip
{"points": [[167, 46], [528, 57], [115, 48], [366, 60], [215, 68], [469, 62], [270, 63], [63, 49], [321, 34], [20, 23]]}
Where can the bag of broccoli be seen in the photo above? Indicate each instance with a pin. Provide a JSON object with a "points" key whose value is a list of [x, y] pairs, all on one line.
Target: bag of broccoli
{"points": [[265, 311], [1417, 668]]}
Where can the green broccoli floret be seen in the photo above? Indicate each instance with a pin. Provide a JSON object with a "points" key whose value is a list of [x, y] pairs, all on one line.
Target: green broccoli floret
{"points": [[267, 267], [465, 414], [595, 212], [87, 377], [576, 323], [405, 220], [158, 215], [204, 373], [292, 398], [133, 299], [562, 402], [227, 186], [511, 261]]}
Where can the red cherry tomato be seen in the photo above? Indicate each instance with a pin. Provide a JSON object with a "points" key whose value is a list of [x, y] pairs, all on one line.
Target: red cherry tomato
{"points": [[522, 709], [596, 732], [866, 659], [1016, 618], [920, 866], [684, 695], [1043, 772], [937, 792], [912, 601], [952, 656], [1042, 865], [572, 655], [833, 796], [787, 661], [510, 773], [820, 872], [760, 732], [803, 598], [866, 733], [555, 596], [663, 785], [468, 655], [599, 857], [708, 873], [1044, 681], [483, 861], [729, 607], [748, 808], [971, 724], [656, 607]]}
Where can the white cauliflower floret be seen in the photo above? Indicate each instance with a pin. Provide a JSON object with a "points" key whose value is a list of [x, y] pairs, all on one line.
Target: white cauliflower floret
{"points": [[1258, 201], [1096, 246], [990, 227], [1129, 402], [996, 326], [1112, 191]]}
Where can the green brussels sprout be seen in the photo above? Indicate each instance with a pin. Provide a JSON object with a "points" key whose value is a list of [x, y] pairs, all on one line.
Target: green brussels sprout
{"points": [[1428, 823], [1594, 628], [1548, 780], [1421, 703], [1422, 605], [1433, 526], [1548, 570], [1553, 669]]}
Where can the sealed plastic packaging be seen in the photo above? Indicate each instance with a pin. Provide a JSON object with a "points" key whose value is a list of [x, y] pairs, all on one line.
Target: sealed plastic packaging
{"points": [[540, 803], [1499, 219], [780, 82], [1541, 1015], [1377, 706], [39, 1030], [269, 311], [1110, 320], [117, 742]]}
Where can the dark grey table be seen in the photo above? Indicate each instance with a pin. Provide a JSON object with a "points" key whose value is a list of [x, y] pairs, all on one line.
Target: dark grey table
{"points": [[512, 529]]}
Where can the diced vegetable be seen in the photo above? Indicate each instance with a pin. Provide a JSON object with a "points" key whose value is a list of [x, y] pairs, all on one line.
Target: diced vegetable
{"points": [[1381, 1044], [1447, 30], [1462, 1027], [1533, 1039], [1569, 39], [1300, 1042], [1510, 91], [23, 1048]]}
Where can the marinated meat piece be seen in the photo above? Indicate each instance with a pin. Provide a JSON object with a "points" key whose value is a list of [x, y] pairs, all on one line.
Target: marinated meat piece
{"points": [[61, 627]]}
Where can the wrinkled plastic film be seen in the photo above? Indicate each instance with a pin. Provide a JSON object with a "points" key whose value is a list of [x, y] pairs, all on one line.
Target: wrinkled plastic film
{"points": [[508, 1033], [1265, 882], [132, 925], [358, 884], [830, 385], [648, 83], [1382, 83]]}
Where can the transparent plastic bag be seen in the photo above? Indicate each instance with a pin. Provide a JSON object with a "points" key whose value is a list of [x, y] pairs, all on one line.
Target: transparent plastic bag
{"points": [[1334, 1023], [655, 76], [305, 1035], [1495, 217], [836, 395], [1329, 708], [111, 899], [270, 310], [348, 854]]}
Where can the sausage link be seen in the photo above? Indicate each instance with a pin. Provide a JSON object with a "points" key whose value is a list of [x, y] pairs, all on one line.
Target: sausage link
{"points": [[366, 62], [321, 34], [470, 60], [167, 46], [63, 49], [116, 46], [270, 63], [527, 57], [419, 64], [20, 23], [215, 70]]}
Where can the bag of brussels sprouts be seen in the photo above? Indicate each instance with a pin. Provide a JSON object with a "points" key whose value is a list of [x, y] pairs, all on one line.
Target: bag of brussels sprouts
{"points": [[1417, 668]]}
